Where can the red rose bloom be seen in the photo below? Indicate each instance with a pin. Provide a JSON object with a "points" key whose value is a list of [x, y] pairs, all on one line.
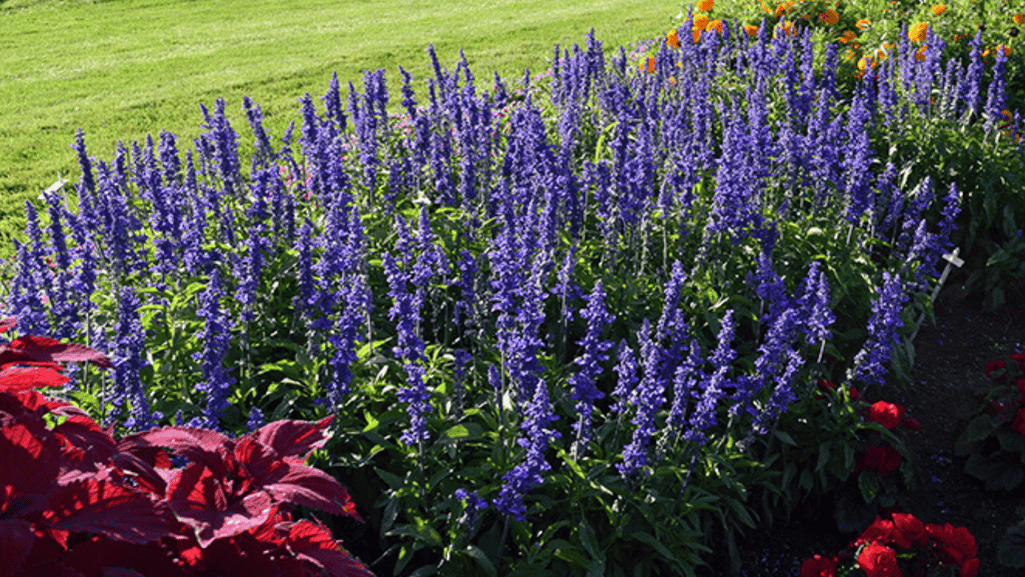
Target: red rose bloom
{"points": [[908, 530], [1018, 424], [886, 414], [969, 568], [959, 544], [1002, 365], [879, 561], [880, 530], [819, 566], [891, 462], [875, 457]]}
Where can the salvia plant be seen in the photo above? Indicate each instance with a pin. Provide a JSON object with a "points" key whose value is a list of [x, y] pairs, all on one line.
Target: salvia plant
{"points": [[541, 317]]}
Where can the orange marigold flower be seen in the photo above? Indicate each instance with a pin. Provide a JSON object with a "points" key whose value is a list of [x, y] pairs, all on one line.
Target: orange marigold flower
{"points": [[1007, 49], [714, 25], [650, 64], [938, 9], [780, 10], [920, 54], [1019, 18], [788, 28], [673, 39], [696, 32], [850, 34], [830, 17], [866, 62], [705, 5], [751, 30], [863, 23], [918, 31], [700, 21]]}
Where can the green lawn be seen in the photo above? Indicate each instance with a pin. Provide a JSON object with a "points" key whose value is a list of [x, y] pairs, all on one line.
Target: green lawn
{"points": [[122, 70]]}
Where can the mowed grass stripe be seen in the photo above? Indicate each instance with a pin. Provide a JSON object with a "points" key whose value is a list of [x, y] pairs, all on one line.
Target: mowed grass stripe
{"points": [[122, 70]]}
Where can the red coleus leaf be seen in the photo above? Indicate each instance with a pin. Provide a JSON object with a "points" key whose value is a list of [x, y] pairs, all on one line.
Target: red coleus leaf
{"points": [[7, 324], [30, 456], [293, 438], [23, 376], [107, 557], [104, 506], [313, 543], [16, 540], [85, 443], [45, 349], [199, 498]]}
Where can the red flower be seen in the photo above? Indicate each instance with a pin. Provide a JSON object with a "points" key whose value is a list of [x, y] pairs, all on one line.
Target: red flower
{"points": [[881, 530], [1021, 391], [886, 414], [1018, 424], [1001, 365], [969, 568], [908, 530], [874, 457], [879, 561], [891, 462], [819, 566]]}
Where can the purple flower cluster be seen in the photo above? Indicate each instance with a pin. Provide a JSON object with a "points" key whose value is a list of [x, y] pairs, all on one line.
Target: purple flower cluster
{"points": [[594, 353]]}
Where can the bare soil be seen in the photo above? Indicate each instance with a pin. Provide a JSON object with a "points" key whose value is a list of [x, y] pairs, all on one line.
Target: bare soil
{"points": [[948, 373]]}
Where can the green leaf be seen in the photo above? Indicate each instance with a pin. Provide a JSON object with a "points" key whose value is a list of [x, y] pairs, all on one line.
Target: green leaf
{"points": [[651, 542], [393, 480], [868, 482], [462, 432], [785, 437], [1011, 550], [823, 455], [477, 554], [806, 482]]}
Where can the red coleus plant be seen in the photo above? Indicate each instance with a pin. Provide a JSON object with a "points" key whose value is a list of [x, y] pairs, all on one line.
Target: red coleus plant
{"points": [[901, 546], [75, 502]]}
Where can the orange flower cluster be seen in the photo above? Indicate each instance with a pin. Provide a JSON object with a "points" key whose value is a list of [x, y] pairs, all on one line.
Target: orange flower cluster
{"points": [[917, 31]]}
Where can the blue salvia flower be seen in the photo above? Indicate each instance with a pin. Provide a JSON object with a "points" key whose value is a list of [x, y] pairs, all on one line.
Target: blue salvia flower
{"points": [[461, 359], [684, 380], [594, 353], [127, 352], [37, 249], [249, 275], [869, 362], [648, 397], [410, 348], [626, 371], [857, 161], [86, 187], [995, 97], [712, 387], [473, 506], [527, 475], [215, 337], [891, 200], [263, 154], [782, 395], [769, 287], [256, 419], [814, 300], [24, 300], [974, 76], [951, 209], [224, 144], [83, 283], [779, 339], [333, 103], [63, 302]]}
